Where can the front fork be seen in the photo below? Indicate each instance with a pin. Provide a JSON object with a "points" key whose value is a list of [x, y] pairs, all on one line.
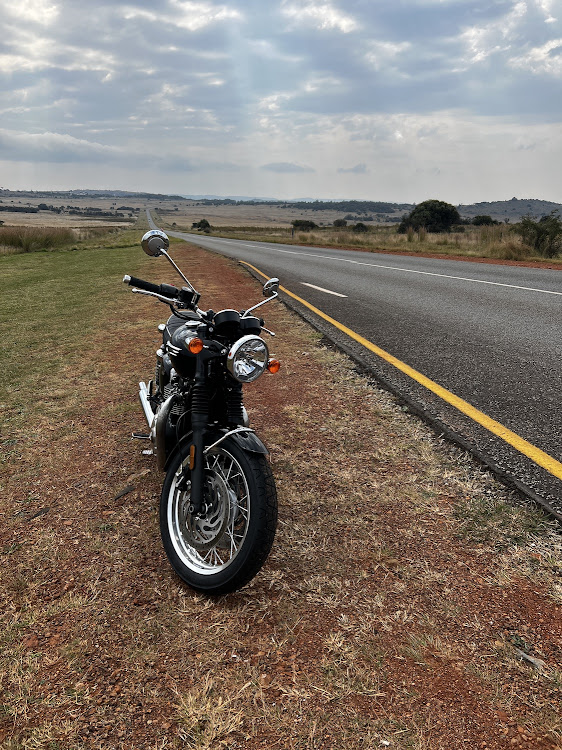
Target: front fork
{"points": [[199, 422]]}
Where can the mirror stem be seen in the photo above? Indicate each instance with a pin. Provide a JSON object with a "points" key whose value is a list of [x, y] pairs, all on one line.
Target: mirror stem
{"points": [[255, 307], [180, 273]]}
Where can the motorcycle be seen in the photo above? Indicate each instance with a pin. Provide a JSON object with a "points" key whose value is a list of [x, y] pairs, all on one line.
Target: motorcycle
{"points": [[218, 508]]}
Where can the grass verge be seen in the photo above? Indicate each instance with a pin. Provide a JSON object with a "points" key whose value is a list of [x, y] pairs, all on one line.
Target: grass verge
{"points": [[494, 242]]}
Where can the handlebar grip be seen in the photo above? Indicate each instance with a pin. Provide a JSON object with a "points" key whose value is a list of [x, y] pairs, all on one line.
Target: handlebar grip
{"points": [[146, 285], [167, 290]]}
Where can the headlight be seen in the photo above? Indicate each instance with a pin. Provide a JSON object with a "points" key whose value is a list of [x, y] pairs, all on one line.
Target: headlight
{"points": [[247, 359]]}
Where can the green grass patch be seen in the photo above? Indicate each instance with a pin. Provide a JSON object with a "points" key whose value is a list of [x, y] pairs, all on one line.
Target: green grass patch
{"points": [[50, 304], [490, 519]]}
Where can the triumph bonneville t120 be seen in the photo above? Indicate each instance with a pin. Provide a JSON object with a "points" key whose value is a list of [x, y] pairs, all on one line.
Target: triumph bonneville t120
{"points": [[218, 509]]}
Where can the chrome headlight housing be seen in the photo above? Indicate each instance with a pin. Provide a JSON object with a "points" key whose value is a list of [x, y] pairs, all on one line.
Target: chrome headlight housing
{"points": [[247, 359]]}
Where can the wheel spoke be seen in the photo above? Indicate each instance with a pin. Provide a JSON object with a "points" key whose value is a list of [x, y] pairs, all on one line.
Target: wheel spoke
{"points": [[209, 544]]}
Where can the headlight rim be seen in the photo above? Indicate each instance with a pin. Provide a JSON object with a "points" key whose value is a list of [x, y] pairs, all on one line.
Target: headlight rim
{"points": [[235, 349]]}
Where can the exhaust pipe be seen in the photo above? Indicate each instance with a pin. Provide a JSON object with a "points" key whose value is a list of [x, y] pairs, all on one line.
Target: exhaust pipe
{"points": [[145, 403], [157, 423]]}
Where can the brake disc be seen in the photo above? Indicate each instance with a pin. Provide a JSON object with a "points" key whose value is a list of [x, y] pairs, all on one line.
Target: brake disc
{"points": [[204, 530]]}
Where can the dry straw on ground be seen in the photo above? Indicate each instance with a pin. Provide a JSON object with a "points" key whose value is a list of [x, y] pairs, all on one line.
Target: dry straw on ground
{"points": [[401, 590]]}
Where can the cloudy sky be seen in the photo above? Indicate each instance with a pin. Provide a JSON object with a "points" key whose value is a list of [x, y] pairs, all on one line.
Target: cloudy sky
{"points": [[398, 100]]}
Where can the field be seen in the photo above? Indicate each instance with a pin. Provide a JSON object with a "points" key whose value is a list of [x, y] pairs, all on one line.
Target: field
{"points": [[410, 601], [262, 222], [497, 242]]}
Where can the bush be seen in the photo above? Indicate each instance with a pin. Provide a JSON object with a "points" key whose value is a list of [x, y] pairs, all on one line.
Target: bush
{"points": [[304, 225], [483, 220], [203, 224], [340, 223], [432, 215], [32, 239], [360, 227], [544, 235]]}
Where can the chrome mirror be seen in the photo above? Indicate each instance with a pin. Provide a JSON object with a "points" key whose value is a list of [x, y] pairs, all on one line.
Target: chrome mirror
{"points": [[271, 287], [155, 243]]}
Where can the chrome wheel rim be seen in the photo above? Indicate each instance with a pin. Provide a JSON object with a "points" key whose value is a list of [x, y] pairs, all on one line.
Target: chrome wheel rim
{"points": [[210, 543]]}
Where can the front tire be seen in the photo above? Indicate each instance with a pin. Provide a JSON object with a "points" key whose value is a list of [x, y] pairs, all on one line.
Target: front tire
{"points": [[222, 549]]}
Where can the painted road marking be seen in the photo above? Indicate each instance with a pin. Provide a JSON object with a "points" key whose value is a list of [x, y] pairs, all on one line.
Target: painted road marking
{"points": [[536, 455], [321, 289], [387, 268], [421, 273]]}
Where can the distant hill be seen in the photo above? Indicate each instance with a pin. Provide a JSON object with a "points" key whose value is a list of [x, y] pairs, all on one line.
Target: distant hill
{"points": [[230, 198], [511, 210], [359, 210], [70, 194]]}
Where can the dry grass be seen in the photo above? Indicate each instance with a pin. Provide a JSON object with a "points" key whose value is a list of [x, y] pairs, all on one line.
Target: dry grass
{"points": [[498, 242], [397, 568], [32, 239]]}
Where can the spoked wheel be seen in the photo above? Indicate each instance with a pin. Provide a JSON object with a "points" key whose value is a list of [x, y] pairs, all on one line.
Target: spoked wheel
{"points": [[223, 547]]}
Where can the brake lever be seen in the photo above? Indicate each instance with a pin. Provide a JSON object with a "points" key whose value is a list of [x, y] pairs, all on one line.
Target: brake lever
{"points": [[167, 300], [171, 301]]}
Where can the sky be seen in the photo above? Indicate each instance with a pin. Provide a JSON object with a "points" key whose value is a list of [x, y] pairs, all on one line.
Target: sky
{"points": [[398, 100]]}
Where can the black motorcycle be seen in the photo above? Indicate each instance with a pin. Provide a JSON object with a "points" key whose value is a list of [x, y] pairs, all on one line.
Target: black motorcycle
{"points": [[218, 509]]}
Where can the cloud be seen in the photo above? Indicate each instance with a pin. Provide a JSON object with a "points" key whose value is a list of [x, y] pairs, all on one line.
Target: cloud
{"points": [[43, 12], [192, 16], [284, 167], [322, 16], [357, 169], [51, 147], [56, 148], [544, 59], [215, 89]]}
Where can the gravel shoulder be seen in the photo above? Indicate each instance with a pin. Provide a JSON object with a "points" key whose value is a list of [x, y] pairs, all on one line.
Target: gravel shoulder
{"points": [[410, 600]]}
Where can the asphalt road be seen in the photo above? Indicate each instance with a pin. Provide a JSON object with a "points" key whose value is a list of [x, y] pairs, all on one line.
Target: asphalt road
{"points": [[490, 334]]}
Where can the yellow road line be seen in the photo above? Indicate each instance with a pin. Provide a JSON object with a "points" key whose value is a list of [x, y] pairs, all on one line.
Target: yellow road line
{"points": [[539, 457]]}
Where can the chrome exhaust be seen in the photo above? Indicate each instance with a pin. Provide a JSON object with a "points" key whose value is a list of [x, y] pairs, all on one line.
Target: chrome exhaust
{"points": [[145, 403], [157, 423]]}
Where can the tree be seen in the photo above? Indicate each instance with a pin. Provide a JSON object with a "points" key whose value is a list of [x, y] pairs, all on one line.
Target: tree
{"points": [[544, 235], [203, 224], [340, 223], [432, 215], [360, 227], [304, 225], [483, 220]]}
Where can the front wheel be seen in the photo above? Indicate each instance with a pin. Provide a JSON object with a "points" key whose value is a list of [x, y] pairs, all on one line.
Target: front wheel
{"points": [[222, 548]]}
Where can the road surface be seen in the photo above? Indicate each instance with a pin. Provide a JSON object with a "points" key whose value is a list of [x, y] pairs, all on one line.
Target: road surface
{"points": [[490, 335]]}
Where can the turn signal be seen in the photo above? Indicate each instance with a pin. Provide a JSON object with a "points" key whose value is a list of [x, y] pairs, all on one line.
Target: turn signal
{"points": [[273, 366], [195, 346]]}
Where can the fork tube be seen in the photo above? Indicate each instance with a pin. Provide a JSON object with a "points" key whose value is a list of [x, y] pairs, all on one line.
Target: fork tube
{"points": [[199, 421]]}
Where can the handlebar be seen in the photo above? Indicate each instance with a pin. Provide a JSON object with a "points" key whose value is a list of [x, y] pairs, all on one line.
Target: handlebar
{"points": [[184, 299], [165, 290]]}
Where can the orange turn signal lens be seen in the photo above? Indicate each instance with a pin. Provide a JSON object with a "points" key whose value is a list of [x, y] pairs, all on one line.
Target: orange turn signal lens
{"points": [[273, 366], [195, 346]]}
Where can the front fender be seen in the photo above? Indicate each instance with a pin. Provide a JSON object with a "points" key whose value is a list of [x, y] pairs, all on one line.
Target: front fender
{"points": [[247, 441]]}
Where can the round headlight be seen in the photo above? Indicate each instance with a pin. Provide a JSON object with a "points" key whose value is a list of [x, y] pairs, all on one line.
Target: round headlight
{"points": [[247, 359]]}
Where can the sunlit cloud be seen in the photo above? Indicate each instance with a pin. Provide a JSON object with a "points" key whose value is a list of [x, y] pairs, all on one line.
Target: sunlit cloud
{"points": [[544, 59], [192, 16], [43, 12], [323, 16]]}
